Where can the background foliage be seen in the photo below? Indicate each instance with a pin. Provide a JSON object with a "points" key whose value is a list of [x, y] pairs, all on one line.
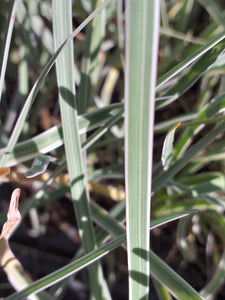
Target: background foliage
{"points": [[62, 134]]}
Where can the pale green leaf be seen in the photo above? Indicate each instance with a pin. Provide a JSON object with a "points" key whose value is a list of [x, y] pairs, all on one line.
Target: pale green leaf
{"points": [[167, 151]]}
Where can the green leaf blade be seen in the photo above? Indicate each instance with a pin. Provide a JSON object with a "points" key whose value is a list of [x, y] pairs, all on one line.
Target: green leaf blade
{"points": [[142, 46], [62, 27]]}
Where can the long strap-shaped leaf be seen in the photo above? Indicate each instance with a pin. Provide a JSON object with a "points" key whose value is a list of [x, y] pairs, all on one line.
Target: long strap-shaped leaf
{"points": [[52, 138], [189, 60], [142, 34], [62, 27]]}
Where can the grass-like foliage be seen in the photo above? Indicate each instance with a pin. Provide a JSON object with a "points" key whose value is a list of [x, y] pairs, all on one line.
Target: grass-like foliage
{"points": [[112, 125]]}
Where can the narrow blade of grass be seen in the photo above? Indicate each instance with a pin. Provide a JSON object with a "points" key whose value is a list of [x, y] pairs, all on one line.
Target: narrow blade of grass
{"points": [[141, 52], [193, 74], [189, 60], [52, 138], [176, 284], [62, 27]]}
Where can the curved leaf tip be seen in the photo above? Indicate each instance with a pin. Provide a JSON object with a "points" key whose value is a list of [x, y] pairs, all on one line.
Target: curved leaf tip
{"points": [[167, 151], [13, 212], [13, 215]]}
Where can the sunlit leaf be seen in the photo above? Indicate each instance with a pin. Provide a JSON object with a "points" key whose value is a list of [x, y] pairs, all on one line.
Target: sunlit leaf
{"points": [[167, 151], [39, 166]]}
